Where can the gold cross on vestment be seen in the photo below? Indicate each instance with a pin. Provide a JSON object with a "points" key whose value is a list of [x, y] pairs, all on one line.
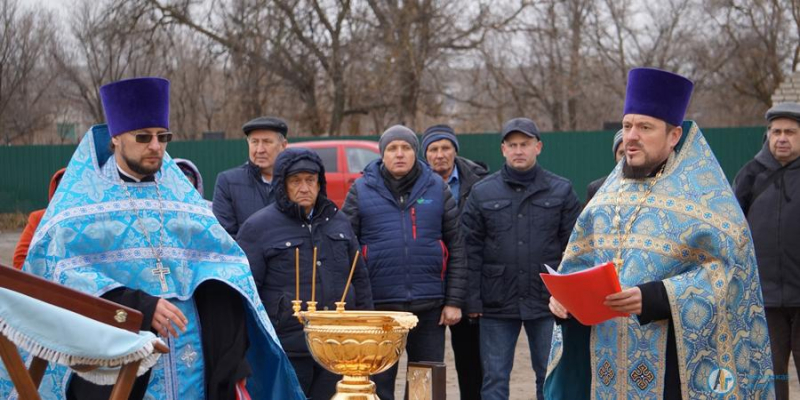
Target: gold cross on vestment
{"points": [[160, 271]]}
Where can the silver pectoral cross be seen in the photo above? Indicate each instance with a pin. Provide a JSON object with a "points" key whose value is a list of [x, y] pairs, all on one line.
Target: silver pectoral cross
{"points": [[160, 271]]}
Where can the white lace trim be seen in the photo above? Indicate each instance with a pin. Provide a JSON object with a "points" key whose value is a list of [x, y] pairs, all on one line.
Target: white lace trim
{"points": [[108, 369]]}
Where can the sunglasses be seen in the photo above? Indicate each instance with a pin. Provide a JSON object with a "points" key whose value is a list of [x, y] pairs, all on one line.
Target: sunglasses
{"points": [[142, 137]]}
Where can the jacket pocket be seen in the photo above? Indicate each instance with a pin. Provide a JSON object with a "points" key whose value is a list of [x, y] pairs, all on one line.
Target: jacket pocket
{"points": [[497, 214], [339, 243], [546, 212], [276, 310], [283, 254], [492, 285]]}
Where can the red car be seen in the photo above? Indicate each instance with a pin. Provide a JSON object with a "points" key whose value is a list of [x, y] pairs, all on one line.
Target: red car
{"points": [[344, 160]]}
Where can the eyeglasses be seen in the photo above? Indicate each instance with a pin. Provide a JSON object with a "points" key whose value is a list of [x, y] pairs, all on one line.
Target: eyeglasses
{"points": [[142, 137]]}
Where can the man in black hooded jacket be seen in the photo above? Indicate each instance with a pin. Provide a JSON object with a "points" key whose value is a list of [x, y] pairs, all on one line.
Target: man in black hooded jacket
{"points": [[303, 219], [768, 189]]}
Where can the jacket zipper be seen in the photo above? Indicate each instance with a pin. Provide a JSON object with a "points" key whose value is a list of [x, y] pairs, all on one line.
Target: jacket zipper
{"points": [[319, 275], [445, 258], [414, 223], [402, 202], [780, 254]]}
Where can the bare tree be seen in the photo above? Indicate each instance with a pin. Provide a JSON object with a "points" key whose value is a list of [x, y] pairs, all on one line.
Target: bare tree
{"points": [[413, 36], [27, 40], [112, 42], [762, 42], [332, 67], [544, 71], [257, 40], [192, 74]]}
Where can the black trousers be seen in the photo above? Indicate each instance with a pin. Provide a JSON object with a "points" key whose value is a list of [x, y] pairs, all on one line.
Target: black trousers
{"points": [[224, 336], [317, 382], [465, 339], [425, 343], [784, 338]]}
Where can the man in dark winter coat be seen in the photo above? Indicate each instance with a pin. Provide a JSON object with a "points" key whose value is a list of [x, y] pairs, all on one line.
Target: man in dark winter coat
{"points": [[407, 222], [241, 191], [516, 220], [302, 218], [768, 189], [440, 147]]}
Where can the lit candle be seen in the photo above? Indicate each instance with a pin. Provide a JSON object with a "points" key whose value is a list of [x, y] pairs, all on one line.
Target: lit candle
{"points": [[350, 278], [297, 273], [314, 276]]}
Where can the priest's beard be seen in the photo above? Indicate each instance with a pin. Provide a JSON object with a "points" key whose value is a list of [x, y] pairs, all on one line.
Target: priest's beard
{"points": [[141, 169], [641, 172], [137, 166]]}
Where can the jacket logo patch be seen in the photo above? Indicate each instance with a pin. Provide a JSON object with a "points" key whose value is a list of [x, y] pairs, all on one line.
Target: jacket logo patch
{"points": [[424, 201]]}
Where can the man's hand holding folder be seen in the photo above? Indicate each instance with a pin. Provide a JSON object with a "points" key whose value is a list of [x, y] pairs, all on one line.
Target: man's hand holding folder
{"points": [[593, 295]]}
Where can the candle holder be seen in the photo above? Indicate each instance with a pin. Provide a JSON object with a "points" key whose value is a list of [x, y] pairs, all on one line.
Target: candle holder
{"points": [[356, 344], [311, 306], [297, 306]]}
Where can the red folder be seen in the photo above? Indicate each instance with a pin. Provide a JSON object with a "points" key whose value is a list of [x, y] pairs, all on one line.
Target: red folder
{"points": [[582, 293]]}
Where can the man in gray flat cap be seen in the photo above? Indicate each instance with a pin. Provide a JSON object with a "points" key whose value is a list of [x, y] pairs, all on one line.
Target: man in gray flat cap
{"points": [[406, 221], [241, 191], [765, 188]]}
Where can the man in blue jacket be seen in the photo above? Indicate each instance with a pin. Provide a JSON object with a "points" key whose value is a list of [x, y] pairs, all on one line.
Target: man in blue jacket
{"points": [[407, 222], [241, 191], [515, 221], [302, 218]]}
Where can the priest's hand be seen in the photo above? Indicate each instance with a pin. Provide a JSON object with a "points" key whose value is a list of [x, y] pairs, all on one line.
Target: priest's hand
{"points": [[628, 301], [557, 309], [450, 315], [166, 316]]}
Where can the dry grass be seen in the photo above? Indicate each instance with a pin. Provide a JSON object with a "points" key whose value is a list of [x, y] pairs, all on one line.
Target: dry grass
{"points": [[13, 221]]}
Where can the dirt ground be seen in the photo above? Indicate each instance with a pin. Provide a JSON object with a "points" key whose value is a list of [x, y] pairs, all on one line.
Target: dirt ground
{"points": [[523, 385]]}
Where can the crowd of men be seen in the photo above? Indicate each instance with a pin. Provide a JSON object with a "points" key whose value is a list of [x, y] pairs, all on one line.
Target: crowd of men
{"points": [[435, 234]]}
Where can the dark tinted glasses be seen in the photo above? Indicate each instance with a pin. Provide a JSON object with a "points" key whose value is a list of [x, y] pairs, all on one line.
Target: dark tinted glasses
{"points": [[142, 137]]}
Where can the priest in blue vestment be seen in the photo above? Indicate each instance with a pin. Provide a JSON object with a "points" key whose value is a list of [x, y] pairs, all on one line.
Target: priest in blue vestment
{"points": [[667, 218], [126, 225]]}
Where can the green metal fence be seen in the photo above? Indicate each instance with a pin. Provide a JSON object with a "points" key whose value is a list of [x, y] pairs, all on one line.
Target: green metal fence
{"points": [[579, 156]]}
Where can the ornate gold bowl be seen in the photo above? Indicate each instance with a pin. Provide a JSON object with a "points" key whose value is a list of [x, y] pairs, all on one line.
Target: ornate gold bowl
{"points": [[356, 344]]}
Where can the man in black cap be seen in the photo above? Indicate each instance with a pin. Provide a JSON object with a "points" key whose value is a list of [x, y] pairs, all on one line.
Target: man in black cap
{"points": [[515, 221], [440, 147], [243, 190], [282, 237], [765, 188], [407, 223]]}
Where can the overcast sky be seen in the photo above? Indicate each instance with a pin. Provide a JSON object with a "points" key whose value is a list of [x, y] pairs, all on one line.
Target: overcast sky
{"points": [[55, 5]]}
